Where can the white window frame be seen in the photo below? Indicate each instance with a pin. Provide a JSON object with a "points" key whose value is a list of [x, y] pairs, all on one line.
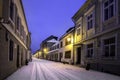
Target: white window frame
{"points": [[102, 48], [78, 31], [92, 18], [90, 50], [90, 11], [108, 9]]}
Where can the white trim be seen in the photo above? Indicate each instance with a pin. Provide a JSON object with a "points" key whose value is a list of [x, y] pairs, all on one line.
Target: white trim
{"points": [[90, 10], [79, 31]]}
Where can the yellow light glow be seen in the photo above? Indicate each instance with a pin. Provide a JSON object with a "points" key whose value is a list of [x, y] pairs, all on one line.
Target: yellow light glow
{"points": [[45, 50], [68, 39]]}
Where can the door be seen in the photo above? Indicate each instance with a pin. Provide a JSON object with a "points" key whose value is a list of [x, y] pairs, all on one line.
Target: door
{"points": [[78, 55]]}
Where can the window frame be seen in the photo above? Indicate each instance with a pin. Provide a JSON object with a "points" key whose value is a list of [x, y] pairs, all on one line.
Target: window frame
{"points": [[90, 49], [108, 8], [68, 42], [109, 45], [66, 56], [11, 7], [90, 24], [78, 31], [11, 50]]}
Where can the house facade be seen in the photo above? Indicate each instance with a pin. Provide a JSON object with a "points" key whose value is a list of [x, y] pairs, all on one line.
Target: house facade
{"points": [[45, 45], [66, 46], [14, 37], [53, 53], [97, 35]]}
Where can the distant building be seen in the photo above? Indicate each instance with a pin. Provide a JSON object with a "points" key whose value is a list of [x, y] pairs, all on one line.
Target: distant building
{"points": [[45, 45], [37, 54], [66, 46], [14, 37], [97, 35], [53, 53]]}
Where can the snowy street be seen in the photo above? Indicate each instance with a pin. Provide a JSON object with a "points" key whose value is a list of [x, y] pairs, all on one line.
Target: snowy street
{"points": [[48, 70]]}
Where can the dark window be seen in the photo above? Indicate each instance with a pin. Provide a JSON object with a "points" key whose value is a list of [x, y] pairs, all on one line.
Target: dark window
{"points": [[11, 9], [90, 50], [90, 21], [18, 23], [6, 35], [68, 54], [109, 9], [11, 48], [109, 47], [61, 44], [58, 46]]}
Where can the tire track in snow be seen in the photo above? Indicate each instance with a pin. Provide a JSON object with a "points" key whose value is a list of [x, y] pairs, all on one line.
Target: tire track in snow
{"points": [[65, 74], [49, 75], [59, 75]]}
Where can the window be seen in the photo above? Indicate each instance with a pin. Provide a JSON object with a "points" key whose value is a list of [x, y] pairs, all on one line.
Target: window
{"points": [[61, 44], [78, 31], [18, 23], [68, 40], [109, 47], [11, 9], [6, 35], [90, 21], [90, 50], [109, 9], [57, 45], [68, 54], [11, 48]]}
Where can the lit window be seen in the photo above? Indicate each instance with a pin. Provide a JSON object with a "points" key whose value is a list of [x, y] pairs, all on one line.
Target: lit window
{"points": [[68, 40], [108, 9]]}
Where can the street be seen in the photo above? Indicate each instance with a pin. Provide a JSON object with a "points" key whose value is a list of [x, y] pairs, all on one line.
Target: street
{"points": [[40, 69]]}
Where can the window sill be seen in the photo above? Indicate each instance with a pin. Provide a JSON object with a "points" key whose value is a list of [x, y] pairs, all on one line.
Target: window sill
{"points": [[108, 58], [109, 21]]}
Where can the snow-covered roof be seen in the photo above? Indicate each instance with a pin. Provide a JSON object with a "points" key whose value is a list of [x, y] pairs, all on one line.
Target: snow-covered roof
{"points": [[56, 43], [52, 40]]}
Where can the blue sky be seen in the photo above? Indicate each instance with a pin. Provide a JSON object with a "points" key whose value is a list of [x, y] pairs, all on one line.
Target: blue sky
{"points": [[49, 17]]}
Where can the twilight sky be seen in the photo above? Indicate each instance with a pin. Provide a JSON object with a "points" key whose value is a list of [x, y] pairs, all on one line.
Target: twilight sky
{"points": [[49, 17]]}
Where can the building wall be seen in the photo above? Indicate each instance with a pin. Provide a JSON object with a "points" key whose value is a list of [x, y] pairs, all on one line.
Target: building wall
{"points": [[68, 47], [101, 30], [10, 33]]}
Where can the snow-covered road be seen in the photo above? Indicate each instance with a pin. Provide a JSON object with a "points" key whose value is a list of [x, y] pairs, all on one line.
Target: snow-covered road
{"points": [[48, 70]]}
